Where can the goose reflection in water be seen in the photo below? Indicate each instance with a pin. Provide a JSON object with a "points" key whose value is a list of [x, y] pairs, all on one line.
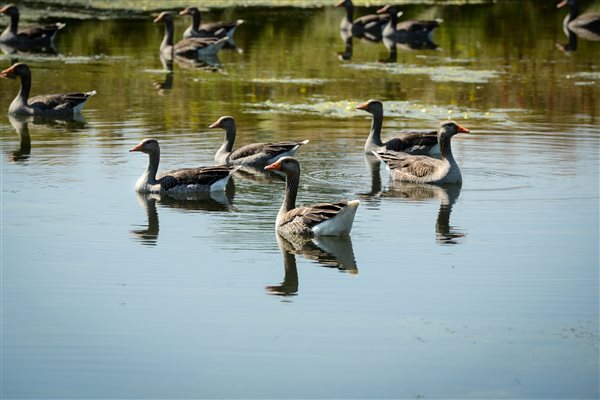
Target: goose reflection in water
{"points": [[21, 125], [213, 201], [447, 195], [326, 251]]}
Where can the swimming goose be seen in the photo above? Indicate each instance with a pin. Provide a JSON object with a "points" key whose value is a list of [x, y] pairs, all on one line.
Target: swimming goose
{"points": [[182, 180], [585, 25], [423, 169], [412, 143], [255, 154], [218, 29], [365, 27], [328, 219], [406, 31], [190, 48], [32, 36], [64, 105]]}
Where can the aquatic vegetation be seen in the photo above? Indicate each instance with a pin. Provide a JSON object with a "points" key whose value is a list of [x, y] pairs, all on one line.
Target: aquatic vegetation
{"points": [[443, 73]]}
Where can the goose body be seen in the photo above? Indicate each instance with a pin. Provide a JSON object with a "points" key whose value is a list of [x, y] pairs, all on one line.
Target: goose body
{"points": [[366, 27], [255, 154], [406, 31], [64, 105], [586, 25], [411, 143], [422, 169], [327, 219], [218, 29], [189, 48], [178, 181], [28, 37]]}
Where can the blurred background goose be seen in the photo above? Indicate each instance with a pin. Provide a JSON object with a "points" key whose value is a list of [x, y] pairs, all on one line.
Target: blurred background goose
{"points": [[218, 29], [412, 143], [28, 37], [255, 154], [182, 180], [366, 27], [328, 219], [190, 48], [64, 105], [422, 169], [406, 31]]}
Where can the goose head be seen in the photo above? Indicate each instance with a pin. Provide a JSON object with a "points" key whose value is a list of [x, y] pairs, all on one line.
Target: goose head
{"points": [[371, 106], [189, 11], [287, 165], [563, 3], [450, 128], [165, 17], [226, 122], [148, 146], [18, 69], [10, 10], [346, 4]]}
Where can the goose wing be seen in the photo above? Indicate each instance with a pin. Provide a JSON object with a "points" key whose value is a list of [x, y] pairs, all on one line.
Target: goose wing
{"points": [[58, 101], [190, 46], [412, 141], [417, 166], [218, 28], [41, 32], [313, 214], [270, 149], [372, 20], [417, 26], [194, 176]]}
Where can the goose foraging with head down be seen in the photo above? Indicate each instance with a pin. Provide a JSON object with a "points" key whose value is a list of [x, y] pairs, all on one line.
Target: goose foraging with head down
{"points": [[411, 143], [327, 219], [64, 105], [422, 169], [190, 48], [218, 29], [366, 27], [586, 25], [255, 154], [29, 37], [178, 181]]}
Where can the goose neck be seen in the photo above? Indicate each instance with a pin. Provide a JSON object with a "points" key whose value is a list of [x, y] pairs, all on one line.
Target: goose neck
{"points": [[23, 94], [374, 138], [446, 148], [151, 171], [196, 21], [168, 35], [292, 181]]}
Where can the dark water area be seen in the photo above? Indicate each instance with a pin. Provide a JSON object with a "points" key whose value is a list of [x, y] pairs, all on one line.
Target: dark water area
{"points": [[489, 290]]}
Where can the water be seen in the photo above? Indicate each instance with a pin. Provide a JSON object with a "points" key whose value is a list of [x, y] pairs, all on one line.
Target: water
{"points": [[486, 291]]}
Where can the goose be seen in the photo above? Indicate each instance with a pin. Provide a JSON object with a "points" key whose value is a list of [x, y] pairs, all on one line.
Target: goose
{"points": [[28, 37], [190, 48], [65, 105], [255, 154], [406, 31], [217, 29], [366, 27], [412, 143], [586, 25], [422, 169], [327, 219], [182, 180]]}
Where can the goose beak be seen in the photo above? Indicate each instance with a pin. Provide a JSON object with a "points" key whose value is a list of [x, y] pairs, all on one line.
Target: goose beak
{"points": [[137, 147], [158, 19], [562, 4], [382, 10], [341, 3], [8, 73], [460, 128], [275, 166], [184, 12], [362, 106], [214, 125]]}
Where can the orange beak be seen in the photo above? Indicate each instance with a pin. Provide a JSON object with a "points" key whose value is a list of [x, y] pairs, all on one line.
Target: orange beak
{"points": [[276, 166], [184, 12], [8, 73], [4, 9], [462, 129], [137, 147], [341, 3], [562, 4], [362, 106], [158, 19], [214, 125], [382, 10]]}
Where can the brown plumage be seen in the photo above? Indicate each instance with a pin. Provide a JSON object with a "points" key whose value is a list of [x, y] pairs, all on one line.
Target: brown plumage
{"points": [[32, 36], [218, 29]]}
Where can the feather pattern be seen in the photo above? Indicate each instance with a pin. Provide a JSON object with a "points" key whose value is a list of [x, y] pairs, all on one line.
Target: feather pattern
{"points": [[31, 36]]}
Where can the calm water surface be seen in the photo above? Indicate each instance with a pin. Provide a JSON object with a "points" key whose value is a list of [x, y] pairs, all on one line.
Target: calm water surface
{"points": [[485, 291]]}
